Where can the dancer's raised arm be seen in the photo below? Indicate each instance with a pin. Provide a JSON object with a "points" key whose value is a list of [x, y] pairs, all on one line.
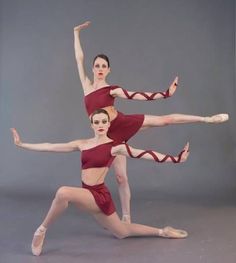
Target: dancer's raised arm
{"points": [[46, 147], [136, 95], [125, 149], [79, 55]]}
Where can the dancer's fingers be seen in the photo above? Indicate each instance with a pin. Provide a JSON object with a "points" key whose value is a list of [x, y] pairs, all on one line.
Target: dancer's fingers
{"points": [[176, 80], [187, 155], [173, 86], [16, 136], [84, 25], [13, 130], [186, 147]]}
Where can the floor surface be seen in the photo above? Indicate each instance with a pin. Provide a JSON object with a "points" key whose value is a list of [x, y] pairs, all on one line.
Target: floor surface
{"points": [[76, 237]]}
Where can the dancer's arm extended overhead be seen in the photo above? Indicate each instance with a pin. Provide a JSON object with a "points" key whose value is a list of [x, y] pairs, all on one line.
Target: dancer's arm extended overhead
{"points": [[79, 55]]}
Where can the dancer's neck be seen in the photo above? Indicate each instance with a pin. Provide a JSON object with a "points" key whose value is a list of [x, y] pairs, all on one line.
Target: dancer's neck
{"points": [[100, 139], [99, 83]]}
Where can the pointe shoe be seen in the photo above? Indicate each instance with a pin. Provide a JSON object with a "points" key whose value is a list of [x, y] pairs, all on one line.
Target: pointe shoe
{"points": [[170, 232], [218, 118], [38, 239]]}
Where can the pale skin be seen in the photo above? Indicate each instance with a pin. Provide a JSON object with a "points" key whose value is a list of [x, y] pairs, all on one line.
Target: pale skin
{"points": [[101, 70], [82, 198]]}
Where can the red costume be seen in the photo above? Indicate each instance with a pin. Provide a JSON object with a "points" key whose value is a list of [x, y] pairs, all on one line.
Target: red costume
{"points": [[102, 197], [123, 127], [99, 156]]}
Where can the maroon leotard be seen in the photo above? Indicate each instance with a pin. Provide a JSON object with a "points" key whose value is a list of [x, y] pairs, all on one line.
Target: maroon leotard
{"points": [[102, 197], [99, 98], [123, 127], [99, 156]]}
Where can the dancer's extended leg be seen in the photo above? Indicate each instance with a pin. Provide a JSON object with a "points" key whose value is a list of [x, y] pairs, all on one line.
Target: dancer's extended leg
{"points": [[122, 230], [81, 197], [120, 168], [152, 121], [84, 199]]}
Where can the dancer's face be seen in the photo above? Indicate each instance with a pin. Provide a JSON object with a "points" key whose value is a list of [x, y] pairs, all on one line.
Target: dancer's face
{"points": [[100, 124], [100, 69]]}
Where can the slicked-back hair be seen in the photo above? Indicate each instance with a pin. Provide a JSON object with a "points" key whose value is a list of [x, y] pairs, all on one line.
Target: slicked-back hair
{"points": [[103, 57], [98, 111]]}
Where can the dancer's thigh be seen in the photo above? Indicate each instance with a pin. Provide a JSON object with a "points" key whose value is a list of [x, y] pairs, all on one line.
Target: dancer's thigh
{"points": [[82, 198], [119, 165], [152, 120]]}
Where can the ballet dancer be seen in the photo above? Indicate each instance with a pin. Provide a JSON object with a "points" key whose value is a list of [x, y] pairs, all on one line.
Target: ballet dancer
{"points": [[97, 154], [99, 94]]}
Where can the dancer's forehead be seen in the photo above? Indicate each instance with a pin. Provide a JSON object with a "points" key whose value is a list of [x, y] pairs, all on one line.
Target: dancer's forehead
{"points": [[104, 57], [100, 61], [100, 117]]}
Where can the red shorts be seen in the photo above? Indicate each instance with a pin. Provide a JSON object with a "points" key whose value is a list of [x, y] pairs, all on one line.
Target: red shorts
{"points": [[123, 127], [102, 197]]}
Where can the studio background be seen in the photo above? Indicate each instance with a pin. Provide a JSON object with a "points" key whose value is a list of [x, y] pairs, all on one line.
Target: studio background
{"points": [[148, 43]]}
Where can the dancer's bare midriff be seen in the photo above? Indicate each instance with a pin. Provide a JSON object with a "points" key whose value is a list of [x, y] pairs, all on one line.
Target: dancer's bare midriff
{"points": [[94, 176]]}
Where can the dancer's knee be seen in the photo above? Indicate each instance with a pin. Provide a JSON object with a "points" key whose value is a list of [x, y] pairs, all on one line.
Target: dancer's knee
{"points": [[62, 194], [122, 178], [121, 234], [167, 120]]}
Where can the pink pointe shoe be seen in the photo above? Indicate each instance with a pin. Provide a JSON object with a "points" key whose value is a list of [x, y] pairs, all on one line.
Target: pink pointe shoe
{"points": [[38, 239], [218, 118], [170, 232]]}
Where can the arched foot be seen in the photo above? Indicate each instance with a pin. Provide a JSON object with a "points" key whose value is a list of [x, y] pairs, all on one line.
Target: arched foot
{"points": [[170, 232]]}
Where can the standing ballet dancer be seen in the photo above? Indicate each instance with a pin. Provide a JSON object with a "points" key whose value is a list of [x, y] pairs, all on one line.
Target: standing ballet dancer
{"points": [[97, 154], [99, 94]]}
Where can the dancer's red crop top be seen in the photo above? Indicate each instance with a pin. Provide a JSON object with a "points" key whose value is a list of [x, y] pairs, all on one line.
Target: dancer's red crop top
{"points": [[99, 98], [98, 156]]}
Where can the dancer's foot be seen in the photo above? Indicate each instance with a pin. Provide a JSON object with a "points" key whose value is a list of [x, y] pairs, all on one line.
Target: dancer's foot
{"points": [[126, 219], [170, 232], [218, 118], [37, 242]]}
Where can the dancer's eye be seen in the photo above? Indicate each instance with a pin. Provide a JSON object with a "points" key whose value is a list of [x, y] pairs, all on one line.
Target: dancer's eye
{"points": [[96, 122], [104, 66], [104, 121], [96, 66]]}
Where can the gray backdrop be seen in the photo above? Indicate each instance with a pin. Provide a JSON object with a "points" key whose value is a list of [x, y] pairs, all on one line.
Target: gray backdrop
{"points": [[149, 43]]}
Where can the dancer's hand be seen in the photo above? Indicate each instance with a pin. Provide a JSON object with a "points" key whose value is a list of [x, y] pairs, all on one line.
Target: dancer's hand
{"points": [[185, 153], [173, 86], [16, 137], [82, 26]]}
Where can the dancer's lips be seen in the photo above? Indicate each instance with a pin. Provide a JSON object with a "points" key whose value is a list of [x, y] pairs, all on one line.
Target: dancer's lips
{"points": [[100, 74], [100, 130]]}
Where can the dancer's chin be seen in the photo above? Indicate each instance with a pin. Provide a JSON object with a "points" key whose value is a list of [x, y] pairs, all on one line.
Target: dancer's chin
{"points": [[101, 132], [100, 78]]}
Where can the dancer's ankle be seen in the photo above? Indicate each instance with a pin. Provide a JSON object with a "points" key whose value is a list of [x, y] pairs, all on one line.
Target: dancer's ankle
{"points": [[160, 232], [126, 218], [42, 228]]}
